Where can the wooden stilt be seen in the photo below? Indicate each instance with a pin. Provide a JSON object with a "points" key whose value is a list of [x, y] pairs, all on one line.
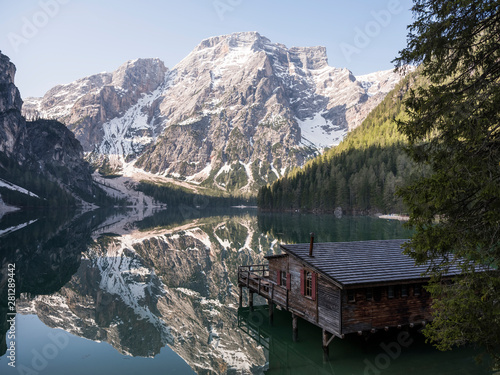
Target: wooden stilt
{"points": [[326, 352], [295, 328], [250, 300], [271, 311], [241, 296], [327, 339]]}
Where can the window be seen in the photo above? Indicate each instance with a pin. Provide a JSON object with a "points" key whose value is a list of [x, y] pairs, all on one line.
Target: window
{"points": [[377, 294], [282, 278], [404, 290], [351, 296], [308, 288], [417, 290], [308, 283], [369, 294], [390, 291]]}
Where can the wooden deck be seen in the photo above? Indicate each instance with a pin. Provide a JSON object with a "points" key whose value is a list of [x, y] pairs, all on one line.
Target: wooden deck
{"points": [[256, 279]]}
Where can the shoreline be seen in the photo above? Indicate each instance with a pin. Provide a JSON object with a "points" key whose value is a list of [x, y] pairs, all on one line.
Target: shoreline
{"points": [[394, 217]]}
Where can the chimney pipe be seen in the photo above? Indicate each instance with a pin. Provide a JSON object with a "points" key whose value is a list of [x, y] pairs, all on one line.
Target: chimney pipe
{"points": [[311, 245]]}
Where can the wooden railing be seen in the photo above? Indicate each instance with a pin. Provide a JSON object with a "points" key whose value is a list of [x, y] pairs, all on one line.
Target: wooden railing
{"points": [[256, 278]]}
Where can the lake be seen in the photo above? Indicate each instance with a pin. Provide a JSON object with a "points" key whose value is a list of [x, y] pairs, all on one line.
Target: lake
{"points": [[134, 291]]}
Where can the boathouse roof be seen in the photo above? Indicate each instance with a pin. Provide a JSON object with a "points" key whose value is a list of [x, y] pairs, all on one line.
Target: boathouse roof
{"points": [[361, 262]]}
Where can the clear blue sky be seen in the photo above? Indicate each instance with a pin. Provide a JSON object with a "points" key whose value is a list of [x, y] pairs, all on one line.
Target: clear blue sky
{"points": [[58, 41]]}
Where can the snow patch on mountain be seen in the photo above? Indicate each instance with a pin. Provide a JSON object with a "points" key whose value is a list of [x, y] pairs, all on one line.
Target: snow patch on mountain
{"points": [[14, 187], [380, 82], [122, 135], [319, 132], [9, 230]]}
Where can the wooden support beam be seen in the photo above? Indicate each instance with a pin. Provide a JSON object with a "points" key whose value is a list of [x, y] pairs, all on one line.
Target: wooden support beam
{"points": [[332, 336], [250, 300], [295, 328], [241, 296], [271, 311], [327, 338]]}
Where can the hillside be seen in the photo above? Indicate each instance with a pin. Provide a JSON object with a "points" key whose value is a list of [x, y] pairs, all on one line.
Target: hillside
{"points": [[360, 175]]}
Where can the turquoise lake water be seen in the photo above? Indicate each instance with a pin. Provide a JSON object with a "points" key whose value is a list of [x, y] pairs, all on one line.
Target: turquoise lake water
{"points": [[135, 292]]}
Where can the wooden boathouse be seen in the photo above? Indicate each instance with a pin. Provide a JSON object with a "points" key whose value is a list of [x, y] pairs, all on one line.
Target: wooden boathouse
{"points": [[342, 287]]}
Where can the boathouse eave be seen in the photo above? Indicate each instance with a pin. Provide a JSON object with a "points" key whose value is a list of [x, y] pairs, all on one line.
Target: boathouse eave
{"points": [[420, 280], [275, 256], [309, 265]]}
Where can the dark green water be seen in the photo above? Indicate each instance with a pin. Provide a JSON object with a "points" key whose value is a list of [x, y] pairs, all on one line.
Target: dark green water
{"points": [[137, 292]]}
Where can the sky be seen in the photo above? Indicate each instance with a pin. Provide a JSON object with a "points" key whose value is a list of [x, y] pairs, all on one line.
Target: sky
{"points": [[58, 41]]}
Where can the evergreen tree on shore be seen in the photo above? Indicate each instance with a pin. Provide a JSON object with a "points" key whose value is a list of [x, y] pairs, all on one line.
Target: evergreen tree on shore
{"points": [[453, 128]]}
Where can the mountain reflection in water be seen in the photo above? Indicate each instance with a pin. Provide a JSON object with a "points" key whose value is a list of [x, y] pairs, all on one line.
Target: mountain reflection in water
{"points": [[141, 281]]}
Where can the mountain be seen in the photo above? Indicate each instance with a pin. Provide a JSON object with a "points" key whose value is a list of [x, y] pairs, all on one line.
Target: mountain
{"points": [[361, 174], [236, 113], [41, 161], [12, 124]]}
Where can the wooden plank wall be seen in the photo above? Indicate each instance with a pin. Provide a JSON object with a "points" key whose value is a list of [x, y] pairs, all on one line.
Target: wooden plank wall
{"points": [[329, 297], [276, 264], [325, 310], [305, 307], [363, 315]]}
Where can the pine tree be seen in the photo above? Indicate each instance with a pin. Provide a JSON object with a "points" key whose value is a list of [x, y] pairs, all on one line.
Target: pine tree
{"points": [[453, 129]]}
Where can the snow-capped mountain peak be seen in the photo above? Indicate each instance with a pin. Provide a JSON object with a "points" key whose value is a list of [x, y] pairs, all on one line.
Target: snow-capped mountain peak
{"points": [[238, 111]]}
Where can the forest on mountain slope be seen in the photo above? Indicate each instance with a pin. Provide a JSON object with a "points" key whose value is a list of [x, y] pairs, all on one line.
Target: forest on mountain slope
{"points": [[360, 175]]}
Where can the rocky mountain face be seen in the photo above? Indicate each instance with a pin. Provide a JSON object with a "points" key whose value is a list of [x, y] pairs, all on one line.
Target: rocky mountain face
{"points": [[236, 113], [12, 123], [59, 154], [43, 149], [86, 104]]}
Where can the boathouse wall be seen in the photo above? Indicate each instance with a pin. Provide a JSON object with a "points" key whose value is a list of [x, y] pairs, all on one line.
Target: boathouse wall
{"points": [[276, 265], [381, 311], [323, 308], [329, 306], [305, 306]]}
